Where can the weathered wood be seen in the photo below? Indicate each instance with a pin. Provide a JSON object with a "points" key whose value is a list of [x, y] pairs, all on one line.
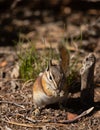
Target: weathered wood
{"points": [[87, 80]]}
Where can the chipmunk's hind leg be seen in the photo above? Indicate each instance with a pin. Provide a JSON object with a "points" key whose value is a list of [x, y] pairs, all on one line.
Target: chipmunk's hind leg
{"points": [[36, 112]]}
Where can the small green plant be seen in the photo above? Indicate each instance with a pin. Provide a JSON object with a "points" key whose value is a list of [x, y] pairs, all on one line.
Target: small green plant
{"points": [[29, 62]]}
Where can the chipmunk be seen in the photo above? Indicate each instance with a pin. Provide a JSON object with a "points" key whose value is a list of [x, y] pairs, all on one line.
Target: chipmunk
{"points": [[50, 87]]}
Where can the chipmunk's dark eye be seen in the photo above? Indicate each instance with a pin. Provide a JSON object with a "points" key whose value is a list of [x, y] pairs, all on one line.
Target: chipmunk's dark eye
{"points": [[50, 77]]}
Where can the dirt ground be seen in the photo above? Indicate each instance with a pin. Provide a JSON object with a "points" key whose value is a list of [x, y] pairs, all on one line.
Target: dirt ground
{"points": [[12, 89]]}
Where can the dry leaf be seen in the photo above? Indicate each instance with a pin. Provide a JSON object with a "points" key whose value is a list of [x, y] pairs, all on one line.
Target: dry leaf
{"points": [[3, 64], [71, 116]]}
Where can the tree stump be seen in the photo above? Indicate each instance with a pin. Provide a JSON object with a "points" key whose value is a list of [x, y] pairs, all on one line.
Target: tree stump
{"points": [[87, 81]]}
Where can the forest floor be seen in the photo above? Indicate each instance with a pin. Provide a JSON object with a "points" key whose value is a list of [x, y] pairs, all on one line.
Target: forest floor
{"points": [[82, 31]]}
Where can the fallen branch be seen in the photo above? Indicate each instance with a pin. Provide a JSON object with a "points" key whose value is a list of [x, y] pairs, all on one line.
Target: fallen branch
{"points": [[12, 103]]}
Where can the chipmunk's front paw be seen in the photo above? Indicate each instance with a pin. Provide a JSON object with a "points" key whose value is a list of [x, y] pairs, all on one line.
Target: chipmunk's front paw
{"points": [[36, 112], [61, 94], [54, 93]]}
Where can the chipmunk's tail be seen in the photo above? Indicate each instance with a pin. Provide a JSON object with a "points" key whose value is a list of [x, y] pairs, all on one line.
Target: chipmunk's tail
{"points": [[65, 58]]}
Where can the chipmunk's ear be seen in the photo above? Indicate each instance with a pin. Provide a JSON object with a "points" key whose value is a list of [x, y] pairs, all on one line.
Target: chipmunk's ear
{"points": [[65, 58], [49, 65]]}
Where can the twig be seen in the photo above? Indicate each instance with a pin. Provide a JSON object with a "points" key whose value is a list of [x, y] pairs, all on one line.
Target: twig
{"points": [[22, 124], [12, 103], [39, 125]]}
